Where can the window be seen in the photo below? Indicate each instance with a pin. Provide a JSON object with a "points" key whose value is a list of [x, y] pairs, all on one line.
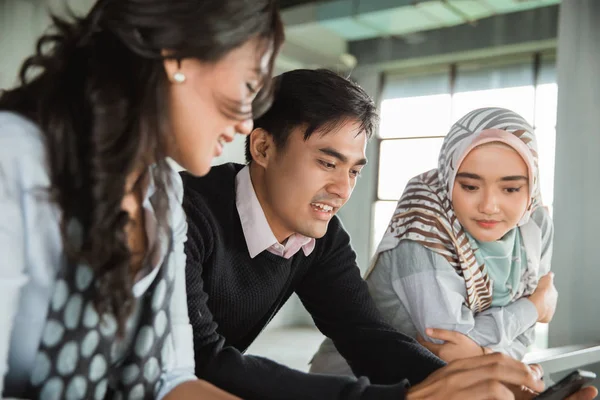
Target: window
{"points": [[546, 97], [417, 110], [399, 161], [415, 115]]}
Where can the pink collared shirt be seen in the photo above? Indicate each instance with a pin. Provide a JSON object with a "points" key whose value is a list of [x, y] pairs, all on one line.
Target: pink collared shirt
{"points": [[257, 232]]}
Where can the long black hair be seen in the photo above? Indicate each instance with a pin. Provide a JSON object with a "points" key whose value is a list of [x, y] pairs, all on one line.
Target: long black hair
{"points": [[97, 88]]}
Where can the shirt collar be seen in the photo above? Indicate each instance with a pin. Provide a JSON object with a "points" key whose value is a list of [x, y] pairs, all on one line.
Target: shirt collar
{"points": [[257, 232]]}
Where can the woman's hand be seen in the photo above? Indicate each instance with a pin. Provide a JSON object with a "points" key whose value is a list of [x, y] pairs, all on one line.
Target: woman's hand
{"points": [[544, 298], [455, 347]]}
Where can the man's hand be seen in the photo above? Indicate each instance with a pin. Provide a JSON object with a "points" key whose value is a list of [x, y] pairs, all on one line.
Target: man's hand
{"points": [[537, 369], [587, 393], [455, 346], [485, 377], [198, 389], [545, 297]]}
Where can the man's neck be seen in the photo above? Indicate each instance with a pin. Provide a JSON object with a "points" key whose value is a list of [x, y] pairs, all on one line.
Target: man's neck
{"points": [[257, 179]]}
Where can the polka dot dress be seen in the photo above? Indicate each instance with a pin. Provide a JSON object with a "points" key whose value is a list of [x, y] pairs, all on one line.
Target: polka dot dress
{"points": [[77, 350]]}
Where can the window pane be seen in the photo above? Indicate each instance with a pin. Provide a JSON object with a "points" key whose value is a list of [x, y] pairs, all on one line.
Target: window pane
{"points": [[399, 86], [401, 160], [415, 106], [470, 78], [508, 86], [415, 116], [546, 138], [381, 218], [546, 97], [541, 337], [518, 99], [547, 73]]}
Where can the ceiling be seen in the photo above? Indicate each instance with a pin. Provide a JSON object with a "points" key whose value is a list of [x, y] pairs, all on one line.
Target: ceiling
{"points": [[283, 4], [318, 32]]}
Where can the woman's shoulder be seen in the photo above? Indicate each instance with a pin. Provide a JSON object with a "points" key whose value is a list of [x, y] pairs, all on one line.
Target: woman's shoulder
{"points": [[410, 257], [541, 217], [22, 152], [18, 130]]}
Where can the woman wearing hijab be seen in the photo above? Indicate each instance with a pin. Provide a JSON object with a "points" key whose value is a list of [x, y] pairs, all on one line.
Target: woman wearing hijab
{"points": [[466, 247]]}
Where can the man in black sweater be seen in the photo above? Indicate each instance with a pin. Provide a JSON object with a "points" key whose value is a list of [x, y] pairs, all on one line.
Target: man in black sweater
{"points": [[260, 232]]}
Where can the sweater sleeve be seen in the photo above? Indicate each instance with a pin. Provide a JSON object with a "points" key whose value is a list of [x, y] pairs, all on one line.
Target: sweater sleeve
{"points": [[339, 301], [252, 377]]}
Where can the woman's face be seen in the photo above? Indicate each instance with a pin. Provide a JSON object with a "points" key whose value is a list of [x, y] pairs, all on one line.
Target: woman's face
{"points": [[214, 102], [491, 191]]}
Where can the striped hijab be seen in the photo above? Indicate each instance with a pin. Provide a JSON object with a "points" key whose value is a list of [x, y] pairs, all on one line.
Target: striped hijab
{"points": [[425, 215]]}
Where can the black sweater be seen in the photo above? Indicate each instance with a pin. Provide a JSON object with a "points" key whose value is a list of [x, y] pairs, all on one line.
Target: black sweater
{"points": [[232, 297]]}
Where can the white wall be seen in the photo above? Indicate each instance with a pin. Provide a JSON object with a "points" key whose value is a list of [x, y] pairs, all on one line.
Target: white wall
{"points": [[233, 152], [21, 24]]}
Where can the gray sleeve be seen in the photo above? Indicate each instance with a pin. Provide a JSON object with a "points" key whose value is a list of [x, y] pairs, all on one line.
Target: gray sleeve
{"points": [[521, 344], [179, 350], [433, 294], [20, 165], [506, 329], [542, 218]]}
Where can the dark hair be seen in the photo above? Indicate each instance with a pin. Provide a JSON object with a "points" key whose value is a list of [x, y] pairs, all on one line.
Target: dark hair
{"points": [[320, 100], [96, 87]]}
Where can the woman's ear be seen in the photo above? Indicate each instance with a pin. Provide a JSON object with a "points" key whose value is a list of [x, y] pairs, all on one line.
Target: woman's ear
{"points": [[173, 68]]}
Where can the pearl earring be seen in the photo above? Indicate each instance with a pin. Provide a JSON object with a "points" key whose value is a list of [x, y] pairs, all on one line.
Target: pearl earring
{"points": [[179, 77]]}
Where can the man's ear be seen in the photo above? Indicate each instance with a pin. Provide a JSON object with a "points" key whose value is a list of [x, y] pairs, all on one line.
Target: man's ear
{"points": [[262, 147]]}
